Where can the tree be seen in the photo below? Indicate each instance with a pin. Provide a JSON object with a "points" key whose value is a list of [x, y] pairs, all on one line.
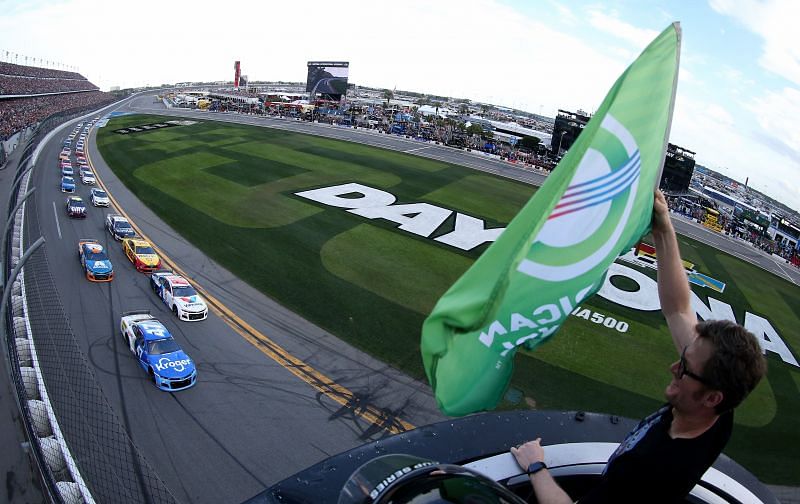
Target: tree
{"points": [[529, 142], [463, 109], [388, 95], [475, 129]]}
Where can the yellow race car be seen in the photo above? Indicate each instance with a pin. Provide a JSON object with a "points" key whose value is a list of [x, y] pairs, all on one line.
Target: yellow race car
{"points": [[141, 254]]}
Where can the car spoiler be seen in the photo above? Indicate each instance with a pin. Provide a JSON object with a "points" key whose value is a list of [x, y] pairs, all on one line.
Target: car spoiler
{"points": [[81, 241], [135, 312], [162, 272], [109, 215]]}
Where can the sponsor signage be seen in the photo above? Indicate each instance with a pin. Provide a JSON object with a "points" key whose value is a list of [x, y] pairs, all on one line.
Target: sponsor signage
{"points": [[178, 365], [427, 220], [153, 126]]}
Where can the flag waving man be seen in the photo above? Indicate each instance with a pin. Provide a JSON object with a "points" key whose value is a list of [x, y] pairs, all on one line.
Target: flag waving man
{"points": [[555, 253]]}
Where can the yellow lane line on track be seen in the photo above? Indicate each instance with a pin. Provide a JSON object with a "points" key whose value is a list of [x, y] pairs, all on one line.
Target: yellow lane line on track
{"points": [[268, 347]]}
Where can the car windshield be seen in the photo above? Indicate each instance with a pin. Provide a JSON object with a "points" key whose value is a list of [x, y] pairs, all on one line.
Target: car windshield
{"points": [[68, 180], [184, 291], [145, 250], [76, 204], [122, 225], [99, 194], [95, 256], [162, 346]]}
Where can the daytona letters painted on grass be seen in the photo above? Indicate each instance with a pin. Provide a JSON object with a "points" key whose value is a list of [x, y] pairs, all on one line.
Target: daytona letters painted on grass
{"points": [[596, 204]]}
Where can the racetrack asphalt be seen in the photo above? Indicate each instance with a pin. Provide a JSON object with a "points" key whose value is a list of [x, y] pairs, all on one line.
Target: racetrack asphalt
{"points": [[249, 422]]}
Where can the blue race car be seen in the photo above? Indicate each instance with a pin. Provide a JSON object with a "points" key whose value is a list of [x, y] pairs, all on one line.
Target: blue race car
{"points": [[158, 354], [95, 261], [67, 184]]}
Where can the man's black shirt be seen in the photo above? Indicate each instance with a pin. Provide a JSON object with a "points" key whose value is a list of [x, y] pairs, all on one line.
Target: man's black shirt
{"points": [[650, 466]]}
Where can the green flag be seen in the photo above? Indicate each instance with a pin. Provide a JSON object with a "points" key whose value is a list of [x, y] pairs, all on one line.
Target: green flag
{"points": [[597, 203]]}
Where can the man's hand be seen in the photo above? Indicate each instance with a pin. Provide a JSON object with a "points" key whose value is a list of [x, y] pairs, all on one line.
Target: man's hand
{"points": [[544, 486], [528, 453], [661, 222]]}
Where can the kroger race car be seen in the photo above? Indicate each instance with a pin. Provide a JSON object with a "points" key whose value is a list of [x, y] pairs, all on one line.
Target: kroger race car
{"points": [[179, 295], [141, 254], [95, 261], [157, 352]]}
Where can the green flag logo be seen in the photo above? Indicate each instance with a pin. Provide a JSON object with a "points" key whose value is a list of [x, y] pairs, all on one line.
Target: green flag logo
{"points": [[594, 209]]}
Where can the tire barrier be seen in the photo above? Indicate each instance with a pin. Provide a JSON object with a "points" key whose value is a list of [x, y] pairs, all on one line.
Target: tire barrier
{"points": [[81, 451]]}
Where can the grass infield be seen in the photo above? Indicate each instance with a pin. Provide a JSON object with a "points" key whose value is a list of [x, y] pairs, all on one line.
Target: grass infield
{"points": [[229, 190]]}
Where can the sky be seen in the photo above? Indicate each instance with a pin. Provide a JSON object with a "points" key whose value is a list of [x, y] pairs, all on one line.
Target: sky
{"points": [[738, 91]]}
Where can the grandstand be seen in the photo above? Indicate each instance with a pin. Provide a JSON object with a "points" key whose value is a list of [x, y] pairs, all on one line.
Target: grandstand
{"points": [[28, 95]]}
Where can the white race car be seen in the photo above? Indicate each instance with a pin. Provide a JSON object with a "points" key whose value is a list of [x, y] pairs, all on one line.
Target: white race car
{"points": [[179, 295]]}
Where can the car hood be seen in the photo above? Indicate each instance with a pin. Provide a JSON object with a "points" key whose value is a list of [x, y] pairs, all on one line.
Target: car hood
{"points": [[172, 365], [191, 303], [99, 266], [148, 259]]}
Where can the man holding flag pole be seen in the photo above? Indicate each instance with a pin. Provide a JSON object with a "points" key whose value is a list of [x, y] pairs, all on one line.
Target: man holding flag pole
{"points": [[555, 253]]}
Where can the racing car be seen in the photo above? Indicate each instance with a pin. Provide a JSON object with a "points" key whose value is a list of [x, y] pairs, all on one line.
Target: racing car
{"points": [[87, 177], [141, 254], [75, 207], [157, 352], [119, 227], [179, 295], [98, 197], [67, 184], [94, 260]]}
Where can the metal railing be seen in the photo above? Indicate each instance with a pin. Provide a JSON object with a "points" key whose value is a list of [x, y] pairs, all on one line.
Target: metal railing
{"points": [[79, 446]]}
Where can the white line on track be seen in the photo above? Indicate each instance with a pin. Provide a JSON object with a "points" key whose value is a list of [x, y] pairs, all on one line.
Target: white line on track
{"points": [[418, 149], [55, 214]]}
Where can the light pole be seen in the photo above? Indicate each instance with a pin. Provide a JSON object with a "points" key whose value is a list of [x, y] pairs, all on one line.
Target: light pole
{"points": [[560, 139]]}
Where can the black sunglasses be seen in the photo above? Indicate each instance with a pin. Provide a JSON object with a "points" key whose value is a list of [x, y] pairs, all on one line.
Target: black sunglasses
{"points": [[682, 370]]}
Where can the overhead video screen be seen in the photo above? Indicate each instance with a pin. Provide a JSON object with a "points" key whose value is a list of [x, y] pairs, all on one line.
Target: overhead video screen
{"points": [[327, 77]]}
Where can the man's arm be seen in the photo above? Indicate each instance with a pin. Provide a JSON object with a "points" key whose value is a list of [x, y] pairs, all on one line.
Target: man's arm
{"points": [[673, 286], [546, 489]]}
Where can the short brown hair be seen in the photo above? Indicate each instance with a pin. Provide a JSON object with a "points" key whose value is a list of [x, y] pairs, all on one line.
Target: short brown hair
{"points": [[736, 365]]}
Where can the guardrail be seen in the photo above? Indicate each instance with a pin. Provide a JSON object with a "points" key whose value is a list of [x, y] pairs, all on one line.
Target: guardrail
{"points": [[79, 446]]}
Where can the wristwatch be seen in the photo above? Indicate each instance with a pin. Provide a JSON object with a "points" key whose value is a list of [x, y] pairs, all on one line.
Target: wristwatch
{"points": [[535, 467]]}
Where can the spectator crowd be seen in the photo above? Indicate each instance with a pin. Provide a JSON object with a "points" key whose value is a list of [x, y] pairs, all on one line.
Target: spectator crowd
{"points": [[58, 91]]}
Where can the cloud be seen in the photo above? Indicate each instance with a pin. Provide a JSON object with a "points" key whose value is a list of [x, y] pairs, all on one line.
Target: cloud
{"points": [[777, 113], [611, 24], [739, 150], [772, 20]]}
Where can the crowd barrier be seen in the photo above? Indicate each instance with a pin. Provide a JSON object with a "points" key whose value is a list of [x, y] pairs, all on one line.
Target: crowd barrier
{"points": [[81, 449]]}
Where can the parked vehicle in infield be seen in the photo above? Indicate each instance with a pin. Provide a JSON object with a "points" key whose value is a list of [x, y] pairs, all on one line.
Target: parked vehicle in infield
{"points": [[94, 260], [87, 177], [141, 254], [178, 294], [98, 197], [157, 352], [119, 227], [67, 184], [76, 208]]}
